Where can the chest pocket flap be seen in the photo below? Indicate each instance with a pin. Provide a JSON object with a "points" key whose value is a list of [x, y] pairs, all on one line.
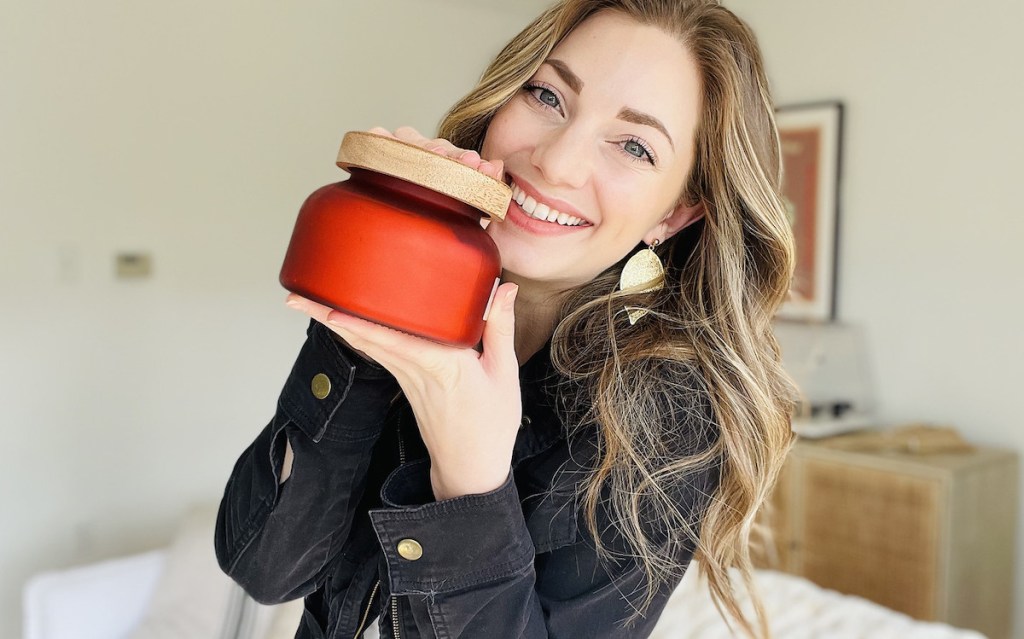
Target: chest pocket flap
{"points": [[551, 521], [548, 494]]}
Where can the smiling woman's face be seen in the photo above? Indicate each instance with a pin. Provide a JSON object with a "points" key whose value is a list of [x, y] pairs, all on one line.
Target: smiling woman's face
{"points": [[603, 134]]}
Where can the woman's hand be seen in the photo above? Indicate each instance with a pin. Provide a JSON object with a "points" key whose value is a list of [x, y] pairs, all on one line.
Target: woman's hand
{"points": [[443, 147], [467, 403]]}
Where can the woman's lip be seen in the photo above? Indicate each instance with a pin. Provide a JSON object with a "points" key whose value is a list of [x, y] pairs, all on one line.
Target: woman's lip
{"points": [[559, 205], [519, 217]]}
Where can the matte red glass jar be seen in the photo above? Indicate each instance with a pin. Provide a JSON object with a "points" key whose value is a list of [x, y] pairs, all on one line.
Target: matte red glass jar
{"points": [[400, 242]]}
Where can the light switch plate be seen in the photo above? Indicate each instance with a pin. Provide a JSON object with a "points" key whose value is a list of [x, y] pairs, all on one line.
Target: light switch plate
{"points": [[133, 266]]}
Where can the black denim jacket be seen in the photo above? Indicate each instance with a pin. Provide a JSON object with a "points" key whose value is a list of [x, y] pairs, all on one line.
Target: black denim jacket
{"points": [[515, 562]]}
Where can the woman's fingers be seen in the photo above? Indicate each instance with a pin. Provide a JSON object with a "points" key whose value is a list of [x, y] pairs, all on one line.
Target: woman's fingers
{"points": [[379, 130], [350, 328], [360, 333], [443, 147], [471, 159], [495, 169], [390, 348], [435, 145], [401, 353], [317, 311], [411, 135], [499, 355]]}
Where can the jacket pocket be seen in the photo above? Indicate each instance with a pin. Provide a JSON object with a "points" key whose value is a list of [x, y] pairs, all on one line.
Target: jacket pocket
{"points": [[551, 520]]}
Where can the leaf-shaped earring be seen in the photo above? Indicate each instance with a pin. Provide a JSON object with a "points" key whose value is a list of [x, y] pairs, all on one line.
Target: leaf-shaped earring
{"points": [[644, 273]]}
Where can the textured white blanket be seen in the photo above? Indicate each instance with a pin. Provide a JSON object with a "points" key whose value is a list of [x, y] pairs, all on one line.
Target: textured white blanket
{"points": [[797, 609], [180, 593]]}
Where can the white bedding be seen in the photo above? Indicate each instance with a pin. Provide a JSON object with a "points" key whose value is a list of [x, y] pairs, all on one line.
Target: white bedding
{"points": [[180, 592], [797, 609]]}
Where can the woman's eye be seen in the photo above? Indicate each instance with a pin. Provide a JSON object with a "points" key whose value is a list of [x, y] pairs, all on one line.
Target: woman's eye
{"points": [[637, 150], [633, 148], [545, 96], [548, 98]]}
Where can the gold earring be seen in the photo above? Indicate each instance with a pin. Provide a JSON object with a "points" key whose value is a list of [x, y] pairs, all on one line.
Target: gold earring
{"points": [[645, 273]]}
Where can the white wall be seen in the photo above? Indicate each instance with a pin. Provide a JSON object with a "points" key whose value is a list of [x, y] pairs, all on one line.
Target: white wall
{"points": [[192, 131], [932, 220]]}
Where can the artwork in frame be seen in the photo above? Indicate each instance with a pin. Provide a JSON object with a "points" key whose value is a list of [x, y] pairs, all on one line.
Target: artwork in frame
{"points": [[811, 137]]}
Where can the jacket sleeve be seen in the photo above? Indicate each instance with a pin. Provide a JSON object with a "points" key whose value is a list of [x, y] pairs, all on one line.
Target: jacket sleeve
{"points": [[480, 574], [276, 539]]}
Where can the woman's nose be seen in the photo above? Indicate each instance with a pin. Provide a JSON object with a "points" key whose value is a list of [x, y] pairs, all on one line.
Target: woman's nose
{"points": [[562, 158]]}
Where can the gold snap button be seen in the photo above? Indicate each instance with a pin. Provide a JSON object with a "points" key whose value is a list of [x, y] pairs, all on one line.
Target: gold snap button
{"points": [[321, 386], [410, 549]]}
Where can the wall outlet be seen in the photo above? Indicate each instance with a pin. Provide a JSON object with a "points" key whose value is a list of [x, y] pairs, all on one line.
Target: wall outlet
{"points": [[129, 266]]}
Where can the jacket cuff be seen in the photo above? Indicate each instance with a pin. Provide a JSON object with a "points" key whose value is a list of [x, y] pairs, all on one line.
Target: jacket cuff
{"points": [[465, 541], [314, 396]]}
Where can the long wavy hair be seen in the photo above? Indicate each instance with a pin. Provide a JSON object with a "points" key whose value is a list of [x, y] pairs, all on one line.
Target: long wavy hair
{"points": [[708, 332]]}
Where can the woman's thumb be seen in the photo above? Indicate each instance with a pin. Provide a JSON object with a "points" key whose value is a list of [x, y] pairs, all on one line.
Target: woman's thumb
{"points": [[500, 328]]}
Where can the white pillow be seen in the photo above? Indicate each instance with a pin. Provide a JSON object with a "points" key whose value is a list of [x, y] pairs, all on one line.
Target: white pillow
{"points": [[97, 601], [195, 600]]}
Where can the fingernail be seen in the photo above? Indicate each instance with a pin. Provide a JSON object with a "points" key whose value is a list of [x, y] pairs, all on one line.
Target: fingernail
{"points": [[292, 303], [510, 299], [469, 154]]}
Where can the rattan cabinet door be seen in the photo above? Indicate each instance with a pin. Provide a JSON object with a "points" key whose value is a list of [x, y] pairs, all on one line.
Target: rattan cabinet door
{"points": [[931, 535], [872, 533]]}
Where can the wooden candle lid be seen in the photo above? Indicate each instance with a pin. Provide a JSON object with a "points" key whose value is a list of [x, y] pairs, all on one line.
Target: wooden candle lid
{"points": [[409, 162]]}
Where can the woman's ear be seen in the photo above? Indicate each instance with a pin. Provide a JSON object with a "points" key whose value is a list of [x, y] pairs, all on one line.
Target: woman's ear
{"points": [[683, 215]]}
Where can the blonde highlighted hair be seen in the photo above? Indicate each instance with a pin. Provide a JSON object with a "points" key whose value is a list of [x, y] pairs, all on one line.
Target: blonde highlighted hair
{"points": [[709, 332]]}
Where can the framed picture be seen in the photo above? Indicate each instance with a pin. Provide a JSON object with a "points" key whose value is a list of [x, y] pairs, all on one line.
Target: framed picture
{"points": [[811, 136]]}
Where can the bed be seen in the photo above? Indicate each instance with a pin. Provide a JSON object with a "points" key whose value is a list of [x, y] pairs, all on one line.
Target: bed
{"points": [[178, 592]]}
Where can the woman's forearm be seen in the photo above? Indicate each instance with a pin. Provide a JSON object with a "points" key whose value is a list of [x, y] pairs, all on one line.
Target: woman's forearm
{"points": [[291, 497]]}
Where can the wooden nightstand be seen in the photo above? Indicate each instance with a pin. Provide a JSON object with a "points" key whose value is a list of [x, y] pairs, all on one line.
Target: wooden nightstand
{"points": [[929, 535]]}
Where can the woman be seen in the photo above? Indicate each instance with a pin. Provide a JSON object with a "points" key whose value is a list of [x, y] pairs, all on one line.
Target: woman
{"points": [[559, 481]]}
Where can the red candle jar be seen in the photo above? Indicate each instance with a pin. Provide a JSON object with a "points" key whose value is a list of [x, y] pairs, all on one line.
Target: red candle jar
{"points": [[400, 242]]}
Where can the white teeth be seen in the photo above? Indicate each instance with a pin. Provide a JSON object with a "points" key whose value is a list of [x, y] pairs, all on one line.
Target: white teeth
{"points": [[542, 211]]}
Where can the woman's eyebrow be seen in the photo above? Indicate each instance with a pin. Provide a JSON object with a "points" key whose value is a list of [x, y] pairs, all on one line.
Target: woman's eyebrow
{"points": [[638, 117], [627, 114], [564, 72]]}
